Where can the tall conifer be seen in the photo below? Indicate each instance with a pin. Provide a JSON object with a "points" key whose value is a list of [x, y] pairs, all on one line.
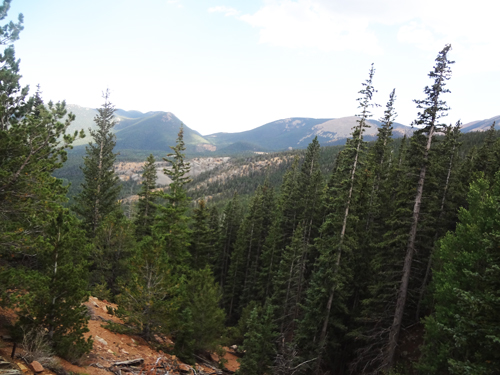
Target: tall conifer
{"points": [[101, 186], [146, 204], [433, 108]]}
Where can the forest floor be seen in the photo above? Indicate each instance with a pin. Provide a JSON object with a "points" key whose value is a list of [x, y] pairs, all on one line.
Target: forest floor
{"points": [[111, 347]]}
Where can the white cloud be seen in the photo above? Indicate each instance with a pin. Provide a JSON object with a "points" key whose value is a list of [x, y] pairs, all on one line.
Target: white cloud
{"points": [[226, 10], [309, 23], [339, 25]]}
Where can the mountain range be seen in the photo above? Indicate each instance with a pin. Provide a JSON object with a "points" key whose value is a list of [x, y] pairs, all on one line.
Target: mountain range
{"points": [[156, 131]]}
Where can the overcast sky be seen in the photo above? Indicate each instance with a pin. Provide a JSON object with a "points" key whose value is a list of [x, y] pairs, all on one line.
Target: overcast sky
{"points": [[233, 65]]}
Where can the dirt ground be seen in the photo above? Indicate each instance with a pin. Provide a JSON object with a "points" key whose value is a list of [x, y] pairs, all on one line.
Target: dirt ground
{"points": [[110, 347]]}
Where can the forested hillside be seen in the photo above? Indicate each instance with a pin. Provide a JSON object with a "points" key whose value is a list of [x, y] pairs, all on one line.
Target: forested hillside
{"points": [[368, 258]]}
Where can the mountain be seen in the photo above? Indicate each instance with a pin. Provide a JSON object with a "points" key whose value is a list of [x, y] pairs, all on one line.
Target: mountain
{"points": [[299, 132], [151, 131], [156, 131], [481, 126]]}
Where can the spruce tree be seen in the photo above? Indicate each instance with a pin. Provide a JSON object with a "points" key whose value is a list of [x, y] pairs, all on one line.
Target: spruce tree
{"points": [[114, 245], [101, 187], [146, 204], [200, 322], [244, 269], [230, 223], [433, 108], [462, 335], [336, 238], [258, 343], [200, 246], [171, 224], [147, 296]]}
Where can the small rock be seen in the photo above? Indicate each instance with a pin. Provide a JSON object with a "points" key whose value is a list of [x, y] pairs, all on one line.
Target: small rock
{"points": [[101, 340], [234, 347], [184, 368], [6, 338], [36, 366], [110, 351], [123, 351]]}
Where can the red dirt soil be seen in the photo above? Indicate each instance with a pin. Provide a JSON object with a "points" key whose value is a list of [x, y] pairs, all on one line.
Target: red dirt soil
{"points": [[110, 347]]}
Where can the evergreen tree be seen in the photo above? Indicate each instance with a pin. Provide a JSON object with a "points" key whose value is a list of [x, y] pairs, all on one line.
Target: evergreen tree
{"points": [[433, 108], [200, 246], [447, 189], [245, 263], [12, 98], [282, 229], [336, 238], [463, 336], [487, 159], [101, 188], [147, 298], [201, 321], [57, 287], [30, 152], [146, 204], [230, 223], [258, 343], [171, 224], [114, 245], [286, 284]]}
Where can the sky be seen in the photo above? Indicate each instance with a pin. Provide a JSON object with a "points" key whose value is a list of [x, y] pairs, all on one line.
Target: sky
{"points": [[233, 65]]}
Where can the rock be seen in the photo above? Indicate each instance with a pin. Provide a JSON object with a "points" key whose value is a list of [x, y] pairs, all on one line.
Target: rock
{"points": [[36, 366], [234, 347], [101, 340], [184, 368], [6, 338]]}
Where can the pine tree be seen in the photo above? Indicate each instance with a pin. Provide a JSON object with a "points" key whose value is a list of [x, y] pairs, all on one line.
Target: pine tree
{"points": [[244, 269], [171, 224], [146, 204], [488, 158], [30, 151], [200, 320], [101, 188], [447, 191], [258, 343], [148, 297], [231, 219], [12, 100], [114, 245], [200, 246], [336, 239], [433, 109], [282, 229], [57, 287], [463, 336]]}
